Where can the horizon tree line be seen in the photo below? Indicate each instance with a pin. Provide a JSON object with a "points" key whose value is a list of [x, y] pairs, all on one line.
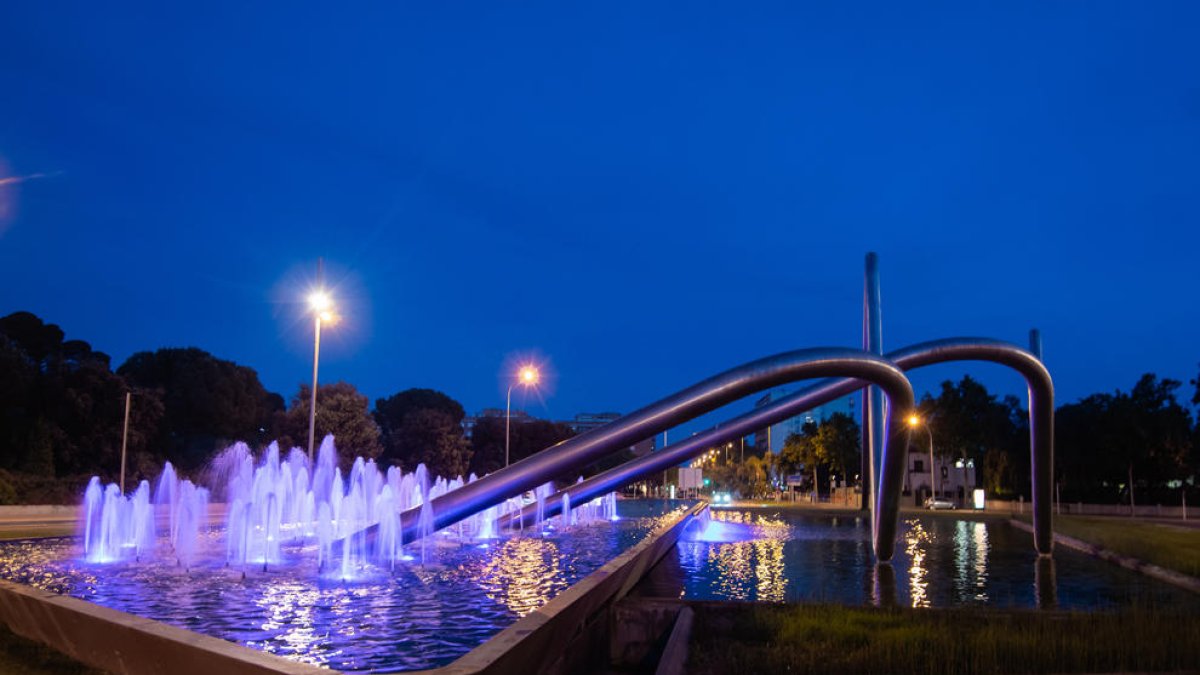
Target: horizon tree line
{"points": [[61, 409]]}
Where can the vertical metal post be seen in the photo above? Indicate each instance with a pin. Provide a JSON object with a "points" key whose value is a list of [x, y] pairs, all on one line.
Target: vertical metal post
{"points": [[873, 403], [125, 438], [507, 421], [312, 408], [1035, 343], [932, 475]]}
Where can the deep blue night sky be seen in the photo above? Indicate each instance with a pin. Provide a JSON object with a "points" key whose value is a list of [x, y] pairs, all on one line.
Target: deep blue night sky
{"points": [[643, 196]]}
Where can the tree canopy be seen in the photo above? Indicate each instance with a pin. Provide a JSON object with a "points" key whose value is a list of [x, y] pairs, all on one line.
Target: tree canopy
{"points": [[61, 408], [341, 411], [207, 402], [1105, 440], [527, 437], [423, 426], [967, 421]]}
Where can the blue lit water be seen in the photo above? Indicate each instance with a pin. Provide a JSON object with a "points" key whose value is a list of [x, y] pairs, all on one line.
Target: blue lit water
{"points": [[778, 555], [411, 617]]}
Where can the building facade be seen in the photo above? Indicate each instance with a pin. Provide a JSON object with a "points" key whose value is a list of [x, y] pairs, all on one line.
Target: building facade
{"points": [[775, 436]]}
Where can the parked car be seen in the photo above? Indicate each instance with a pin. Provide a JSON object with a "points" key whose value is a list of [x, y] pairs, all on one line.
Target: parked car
{"points": [[939, 504]]}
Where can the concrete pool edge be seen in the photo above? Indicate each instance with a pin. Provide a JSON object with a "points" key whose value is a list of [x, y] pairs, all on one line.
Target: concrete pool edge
{"points": [[1163, 574], [542, 641]]}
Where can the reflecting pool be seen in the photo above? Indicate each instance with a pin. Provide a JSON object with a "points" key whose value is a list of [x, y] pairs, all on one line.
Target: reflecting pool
{"points": [[776, 555]]}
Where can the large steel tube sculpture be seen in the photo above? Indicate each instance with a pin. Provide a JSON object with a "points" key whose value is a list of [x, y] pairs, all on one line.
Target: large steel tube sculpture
{"points": [[694, 446], [1041, 429], [575, 453]]}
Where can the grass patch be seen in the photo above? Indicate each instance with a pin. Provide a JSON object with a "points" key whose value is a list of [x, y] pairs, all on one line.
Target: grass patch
{"points": [[19, 656], [1175, 548], [837, 639]]}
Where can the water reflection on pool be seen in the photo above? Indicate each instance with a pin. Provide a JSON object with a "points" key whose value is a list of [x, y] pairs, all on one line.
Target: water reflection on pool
{"points": [[408, 617], [777, 555]]}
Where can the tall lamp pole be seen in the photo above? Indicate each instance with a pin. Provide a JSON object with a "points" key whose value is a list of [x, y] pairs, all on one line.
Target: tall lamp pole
{"points": [[125, 438], [527, 376], [915, 421], [322, 307]]}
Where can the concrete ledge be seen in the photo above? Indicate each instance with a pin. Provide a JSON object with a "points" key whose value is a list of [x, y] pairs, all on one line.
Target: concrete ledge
{"points": [[675, 655], [1161, 573], [119, 642]]}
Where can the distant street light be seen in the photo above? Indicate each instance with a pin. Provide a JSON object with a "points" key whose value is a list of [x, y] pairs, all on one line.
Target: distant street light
{"points": [[915, 421], [322, 308], [527, 376]]}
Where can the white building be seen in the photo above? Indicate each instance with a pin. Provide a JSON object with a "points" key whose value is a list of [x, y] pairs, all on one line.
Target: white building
{"points": [[955, 479]]}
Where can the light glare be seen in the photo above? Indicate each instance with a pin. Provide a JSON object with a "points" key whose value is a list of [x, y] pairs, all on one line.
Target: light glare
{"points": [[320, 302]]}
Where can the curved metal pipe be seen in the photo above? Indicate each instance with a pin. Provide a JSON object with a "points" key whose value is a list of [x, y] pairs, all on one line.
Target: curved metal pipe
{"points": [[899, 397], [1041, 432], [1041, 411], [575, 453]]}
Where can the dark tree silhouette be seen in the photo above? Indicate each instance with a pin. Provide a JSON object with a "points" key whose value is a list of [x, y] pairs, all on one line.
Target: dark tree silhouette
{"points": [[207, 402]]}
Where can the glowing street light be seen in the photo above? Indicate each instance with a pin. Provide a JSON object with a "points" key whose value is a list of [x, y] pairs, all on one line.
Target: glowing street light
{"points": [[915, 421], [322, 308], [527, 376]]}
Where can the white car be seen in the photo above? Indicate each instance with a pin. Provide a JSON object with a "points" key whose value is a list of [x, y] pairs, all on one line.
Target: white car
{"points": [[722, 498], [939, 504]]}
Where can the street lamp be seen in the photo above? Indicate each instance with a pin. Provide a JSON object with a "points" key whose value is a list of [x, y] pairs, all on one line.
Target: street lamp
{"points": [[915, 421], [527, 376], [322, 308]]}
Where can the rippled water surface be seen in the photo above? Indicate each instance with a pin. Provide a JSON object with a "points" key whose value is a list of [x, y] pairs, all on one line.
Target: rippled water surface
{"points": [[410, 617], [941, 561]]}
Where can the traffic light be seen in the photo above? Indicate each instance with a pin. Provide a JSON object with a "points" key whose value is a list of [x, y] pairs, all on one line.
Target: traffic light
{"points": [[707, 482]]}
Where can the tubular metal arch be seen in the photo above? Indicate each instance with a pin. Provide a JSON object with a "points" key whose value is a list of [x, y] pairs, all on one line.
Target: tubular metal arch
{"points": [[575, 453], [1041, 431], [1041, 411]]}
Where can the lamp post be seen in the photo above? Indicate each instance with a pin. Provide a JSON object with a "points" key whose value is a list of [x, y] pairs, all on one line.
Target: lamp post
{"points": [[125, 438], [915, 421], [322, 307], [527, 376]]}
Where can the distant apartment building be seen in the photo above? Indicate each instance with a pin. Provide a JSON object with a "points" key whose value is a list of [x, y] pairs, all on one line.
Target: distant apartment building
{"points": [[776, 435], [517, 417], [581, 423], [588, 421]]}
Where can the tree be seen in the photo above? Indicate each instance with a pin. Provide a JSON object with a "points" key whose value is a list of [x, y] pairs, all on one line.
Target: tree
{"points": [[801, 452], [423, 426], [207, 402], [432, 437], [527, 437], [61, 406], [752, 476], [341, 411], [18, 377], [40, 341], [969, 423], [1108, 443], [838, 443]]}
